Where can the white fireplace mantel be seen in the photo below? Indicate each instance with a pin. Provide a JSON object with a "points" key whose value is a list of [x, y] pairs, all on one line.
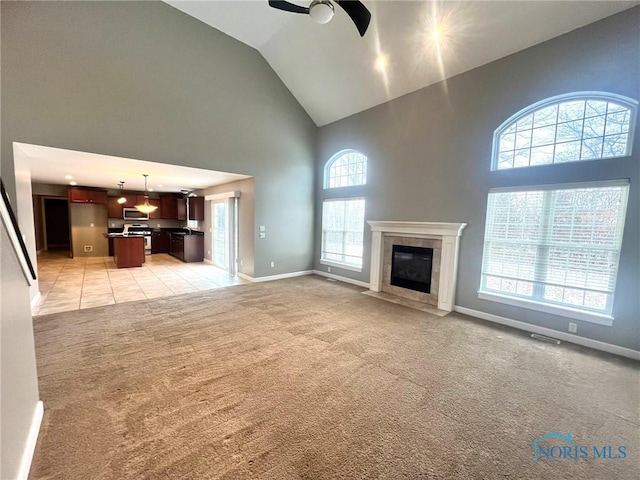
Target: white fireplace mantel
{"points": [[448, 233]]}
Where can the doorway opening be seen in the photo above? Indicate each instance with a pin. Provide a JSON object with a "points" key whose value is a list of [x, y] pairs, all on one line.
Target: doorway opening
{"points": [[57, 228]]}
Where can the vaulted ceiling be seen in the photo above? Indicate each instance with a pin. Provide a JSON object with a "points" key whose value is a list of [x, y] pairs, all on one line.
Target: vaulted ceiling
{"points": [[334, 73]]}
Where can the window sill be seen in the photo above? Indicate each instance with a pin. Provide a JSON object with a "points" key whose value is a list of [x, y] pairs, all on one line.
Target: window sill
{"points": [[341, 265], [600, 319]]}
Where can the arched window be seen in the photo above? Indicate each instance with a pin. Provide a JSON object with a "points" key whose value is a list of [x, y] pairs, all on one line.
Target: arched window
{"points": [[567, 128], [347, 168]]}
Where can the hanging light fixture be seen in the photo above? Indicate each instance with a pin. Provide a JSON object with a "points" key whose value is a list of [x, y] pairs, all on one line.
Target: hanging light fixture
{"points": [[146, 207], [122, 198]]}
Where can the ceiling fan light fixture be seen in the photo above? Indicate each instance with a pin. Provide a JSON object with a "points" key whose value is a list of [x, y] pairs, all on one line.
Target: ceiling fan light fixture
{"points": [[146, 207], [321, 11]]}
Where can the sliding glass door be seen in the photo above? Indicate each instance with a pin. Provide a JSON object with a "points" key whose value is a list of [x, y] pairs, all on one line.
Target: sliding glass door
{"points": [[220, 212]]}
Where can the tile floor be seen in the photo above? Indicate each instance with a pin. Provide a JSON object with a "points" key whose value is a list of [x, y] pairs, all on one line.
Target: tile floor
{"points": [[76, 283]]}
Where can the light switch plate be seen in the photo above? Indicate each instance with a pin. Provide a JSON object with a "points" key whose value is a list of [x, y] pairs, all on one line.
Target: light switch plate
{"points": [[263, 228]]}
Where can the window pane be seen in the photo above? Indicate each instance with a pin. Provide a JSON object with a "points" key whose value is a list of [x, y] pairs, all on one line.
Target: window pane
{"points": [[615, 145], [574, 130]]}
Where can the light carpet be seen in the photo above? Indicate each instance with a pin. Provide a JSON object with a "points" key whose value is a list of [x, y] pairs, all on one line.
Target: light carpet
{"points": [[309, 379]]}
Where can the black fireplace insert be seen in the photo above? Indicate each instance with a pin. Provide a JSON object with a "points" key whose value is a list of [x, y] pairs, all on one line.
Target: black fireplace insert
{"points": [[411, 268]]}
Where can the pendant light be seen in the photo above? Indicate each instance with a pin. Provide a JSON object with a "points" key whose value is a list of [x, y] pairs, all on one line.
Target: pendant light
{"points": [[146, 207], [122, 198]]}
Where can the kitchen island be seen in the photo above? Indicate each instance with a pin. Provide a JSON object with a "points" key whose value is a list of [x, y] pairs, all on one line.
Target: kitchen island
{"points": [[128, 250]]}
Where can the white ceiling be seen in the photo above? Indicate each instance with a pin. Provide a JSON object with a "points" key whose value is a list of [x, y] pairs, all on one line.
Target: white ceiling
{"points": [[330, 69], [51, 165]]}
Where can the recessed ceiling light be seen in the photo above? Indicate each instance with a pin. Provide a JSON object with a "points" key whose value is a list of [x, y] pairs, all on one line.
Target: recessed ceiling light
{"points": [[73, 182], [68, 177], [381, 62], [160, 185], [151, 189]]}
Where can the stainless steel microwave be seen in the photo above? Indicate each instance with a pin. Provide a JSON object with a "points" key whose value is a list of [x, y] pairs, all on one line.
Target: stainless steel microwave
{"points": [[134, 214]]}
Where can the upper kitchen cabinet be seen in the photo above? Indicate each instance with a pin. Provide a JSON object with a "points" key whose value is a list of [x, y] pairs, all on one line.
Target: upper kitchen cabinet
{"points": [[169, 207], [158, 212], [181, 204], [196, 208], [86, 195], [114, 208]]}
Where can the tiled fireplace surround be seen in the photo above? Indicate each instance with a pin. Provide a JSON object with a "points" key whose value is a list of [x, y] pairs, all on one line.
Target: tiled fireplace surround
{"points": [[444, 238]]}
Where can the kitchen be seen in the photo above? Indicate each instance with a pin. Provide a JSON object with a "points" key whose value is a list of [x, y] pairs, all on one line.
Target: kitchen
{"points": [[138, 223]]}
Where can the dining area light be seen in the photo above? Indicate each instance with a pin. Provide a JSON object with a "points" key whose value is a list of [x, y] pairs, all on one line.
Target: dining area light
{"points": [[146, 207]]}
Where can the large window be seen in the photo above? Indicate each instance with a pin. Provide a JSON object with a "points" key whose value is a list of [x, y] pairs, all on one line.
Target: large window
{"points": [[567, 128], [346, 169], [555, 248], [342, 232]]}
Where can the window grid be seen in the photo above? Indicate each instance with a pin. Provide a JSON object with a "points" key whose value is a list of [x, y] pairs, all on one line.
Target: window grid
{"points": [[574, 129], [570, 258], [347, 169]]}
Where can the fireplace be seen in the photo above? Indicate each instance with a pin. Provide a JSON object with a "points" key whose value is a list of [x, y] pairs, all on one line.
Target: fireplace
{"points": [[443, 239], [411, 267]]}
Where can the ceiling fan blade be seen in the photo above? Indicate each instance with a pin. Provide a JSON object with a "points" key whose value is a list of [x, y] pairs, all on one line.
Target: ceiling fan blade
{"points": [[287, 6], [358, 13]]}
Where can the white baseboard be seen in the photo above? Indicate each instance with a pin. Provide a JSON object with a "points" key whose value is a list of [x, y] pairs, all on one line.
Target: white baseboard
{"points": [[275, 277], [549, 332], [206, 260], [342, 279], [30, 444], [35, 299]]}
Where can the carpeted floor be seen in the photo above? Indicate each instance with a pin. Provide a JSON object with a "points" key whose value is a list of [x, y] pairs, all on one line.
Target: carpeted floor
{"points": [[309, 379]]}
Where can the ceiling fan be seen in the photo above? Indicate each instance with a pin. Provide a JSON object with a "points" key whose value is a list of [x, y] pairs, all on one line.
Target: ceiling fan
{"points": [[322, 11]]}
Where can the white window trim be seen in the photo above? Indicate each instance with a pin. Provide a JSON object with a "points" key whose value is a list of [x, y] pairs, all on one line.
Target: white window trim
{"points": [[588, 95], [330, 162], [600, 319], [344, 266], [561, 310]]}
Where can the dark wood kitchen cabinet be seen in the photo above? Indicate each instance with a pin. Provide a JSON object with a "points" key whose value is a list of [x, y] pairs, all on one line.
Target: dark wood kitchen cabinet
{"points": [[87, 195], [196, 208], [188, 248], [114, 208], [160, 242], [181, 204], [169, 207]]}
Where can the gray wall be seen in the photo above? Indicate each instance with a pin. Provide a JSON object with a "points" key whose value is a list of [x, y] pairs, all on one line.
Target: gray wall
{"points": [[18, 377], [430, 154], [88, 226], [143, 80], [23, 206]]}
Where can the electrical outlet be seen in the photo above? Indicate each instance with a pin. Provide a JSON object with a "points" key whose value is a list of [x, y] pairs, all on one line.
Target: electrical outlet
{"points": [[263, 228], [158, 225], [263, 235], [208, 252], [113, 225], [88, 248], [273, 264], [329, 269], [241, 263], [573, 327]]}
